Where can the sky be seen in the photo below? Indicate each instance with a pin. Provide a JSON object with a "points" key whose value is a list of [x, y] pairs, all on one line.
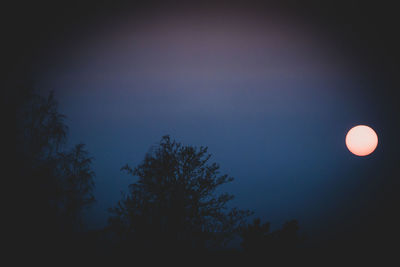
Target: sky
{"points": [[271, 95]]}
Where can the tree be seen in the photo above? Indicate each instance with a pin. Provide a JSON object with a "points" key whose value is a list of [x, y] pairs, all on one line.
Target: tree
{"points": [[175, 201], [55, 184], [76, 182], [41, 130], [257, 239]]}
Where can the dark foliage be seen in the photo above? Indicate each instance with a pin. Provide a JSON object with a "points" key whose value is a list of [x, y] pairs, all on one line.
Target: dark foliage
{"points": [[55, 184], [258, 239], [175, 201], [175, 206], [76, 182]]}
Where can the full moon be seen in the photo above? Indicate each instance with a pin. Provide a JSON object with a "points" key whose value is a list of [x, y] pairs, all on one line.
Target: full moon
{"points": [[361, 140]]}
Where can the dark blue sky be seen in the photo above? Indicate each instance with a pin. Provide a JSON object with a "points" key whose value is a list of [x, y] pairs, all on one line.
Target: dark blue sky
{"points": [[272, 98]]}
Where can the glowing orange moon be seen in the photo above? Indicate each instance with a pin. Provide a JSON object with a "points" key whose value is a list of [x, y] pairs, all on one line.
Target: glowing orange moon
{"points": [[361, 140]]}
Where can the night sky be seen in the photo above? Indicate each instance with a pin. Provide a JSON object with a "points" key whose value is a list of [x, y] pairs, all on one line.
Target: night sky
{"points": [[272, 91]]}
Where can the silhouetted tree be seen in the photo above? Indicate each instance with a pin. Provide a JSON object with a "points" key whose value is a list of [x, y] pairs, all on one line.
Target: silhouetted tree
{"points": [[256, 237], [287, 238], [175, 202], [259, 240], [41, 130], [76, 179], [56, 184]]}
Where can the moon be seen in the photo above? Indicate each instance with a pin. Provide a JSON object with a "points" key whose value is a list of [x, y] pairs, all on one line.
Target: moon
{"points": [[361, 140]]}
